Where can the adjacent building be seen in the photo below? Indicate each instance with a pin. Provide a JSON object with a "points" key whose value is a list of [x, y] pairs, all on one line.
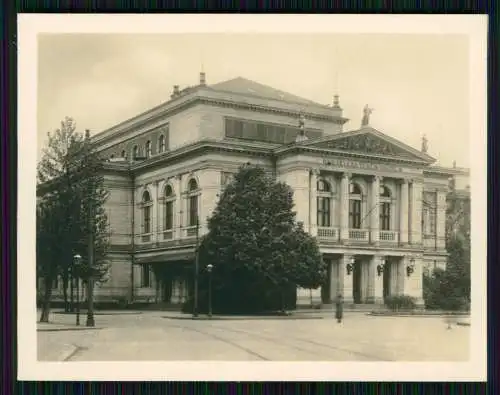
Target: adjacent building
{"points": [[376, 205]]}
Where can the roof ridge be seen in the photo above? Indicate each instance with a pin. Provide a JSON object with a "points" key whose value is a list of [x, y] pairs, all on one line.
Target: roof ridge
{"points": [[287, 96]]}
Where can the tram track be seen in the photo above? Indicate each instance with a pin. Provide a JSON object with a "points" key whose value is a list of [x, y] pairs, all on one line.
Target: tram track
{"points": [[290, 343]]}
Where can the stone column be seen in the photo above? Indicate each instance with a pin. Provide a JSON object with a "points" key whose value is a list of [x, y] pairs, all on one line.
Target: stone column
{"points": [[375, 282], [416, 212], [403, 214], [375, 210], [344, 207], [413, 284], [400, 276], [335, 279], [347, 288], [178, 209], [313, 202], [441, 219]]}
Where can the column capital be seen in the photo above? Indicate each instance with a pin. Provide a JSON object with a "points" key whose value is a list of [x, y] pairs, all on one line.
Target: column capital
{"points": [[156, 182], [416, 180], [404, 180], [377, 177], [347, 175], [178, 177], [314, 171]]}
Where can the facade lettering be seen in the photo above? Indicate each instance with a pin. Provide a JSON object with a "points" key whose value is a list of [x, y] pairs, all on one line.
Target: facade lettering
{"points": [[351, 164]]}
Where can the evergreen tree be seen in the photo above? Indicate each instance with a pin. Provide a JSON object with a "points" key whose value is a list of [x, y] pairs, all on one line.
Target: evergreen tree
{"points": [[259, 252]]}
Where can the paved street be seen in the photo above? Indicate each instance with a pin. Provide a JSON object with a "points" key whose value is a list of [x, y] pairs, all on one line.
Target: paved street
{"points": [[155, 336]]}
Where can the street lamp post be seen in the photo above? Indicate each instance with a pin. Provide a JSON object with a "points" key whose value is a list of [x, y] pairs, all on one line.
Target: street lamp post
{"points": [[209, 270], [77, 259]]}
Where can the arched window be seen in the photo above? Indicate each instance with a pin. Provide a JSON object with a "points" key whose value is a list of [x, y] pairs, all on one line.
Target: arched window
{"points": [[168, 218], [148, 149], [146, 213], [135, 152], [354, 206], [161, 144], [324, 186], [124, 154], [324, 203], [385, 208], [192, 203]]}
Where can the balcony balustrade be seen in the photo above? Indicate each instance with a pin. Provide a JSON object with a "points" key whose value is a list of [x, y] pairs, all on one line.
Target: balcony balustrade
{"points": [[359, 235], [388, 236], [328, 234]]}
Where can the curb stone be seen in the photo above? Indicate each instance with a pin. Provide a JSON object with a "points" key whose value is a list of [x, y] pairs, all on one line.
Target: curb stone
{"points": [[67, 329], [242, 318]]}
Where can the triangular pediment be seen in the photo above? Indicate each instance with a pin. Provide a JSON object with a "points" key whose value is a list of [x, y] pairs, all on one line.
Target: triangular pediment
{"points": [[370, 142]]}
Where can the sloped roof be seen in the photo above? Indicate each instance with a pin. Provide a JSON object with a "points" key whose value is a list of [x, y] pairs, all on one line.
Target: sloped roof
{"points": [[244, 86]]}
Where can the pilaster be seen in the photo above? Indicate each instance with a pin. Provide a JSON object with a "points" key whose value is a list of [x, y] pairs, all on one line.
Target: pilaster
{"points": [[416, 212], [178, 223], [413, 282], [441, 219], [313, 202], [344, 207], [155, 214], [404, 204]]}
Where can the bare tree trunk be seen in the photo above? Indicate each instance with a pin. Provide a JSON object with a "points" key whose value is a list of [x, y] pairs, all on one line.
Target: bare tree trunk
{"points": [[47, 295]]}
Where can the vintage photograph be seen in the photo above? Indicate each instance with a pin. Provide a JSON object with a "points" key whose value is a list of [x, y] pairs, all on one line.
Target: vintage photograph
{"points": [[211, 196]]}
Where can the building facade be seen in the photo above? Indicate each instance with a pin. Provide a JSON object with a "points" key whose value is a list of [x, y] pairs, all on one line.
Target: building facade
{"points": [[376, 205]]}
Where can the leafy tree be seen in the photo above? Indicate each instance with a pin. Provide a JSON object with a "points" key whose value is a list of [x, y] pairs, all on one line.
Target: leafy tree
{"points": [[450, 289], [71, 199], [259, 252]]}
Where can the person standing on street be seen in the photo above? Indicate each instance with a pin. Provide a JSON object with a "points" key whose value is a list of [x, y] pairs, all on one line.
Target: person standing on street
{"points": [[339, 308]]}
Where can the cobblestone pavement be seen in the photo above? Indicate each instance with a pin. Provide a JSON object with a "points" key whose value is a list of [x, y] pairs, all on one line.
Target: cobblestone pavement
{"points": [[156, 336]]}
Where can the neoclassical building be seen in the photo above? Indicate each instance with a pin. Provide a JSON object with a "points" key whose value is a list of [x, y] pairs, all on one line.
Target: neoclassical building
{"points": [[376, 205]]}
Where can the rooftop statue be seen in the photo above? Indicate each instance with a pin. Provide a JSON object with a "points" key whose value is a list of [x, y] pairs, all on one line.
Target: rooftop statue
{"points": [[366, 115]]}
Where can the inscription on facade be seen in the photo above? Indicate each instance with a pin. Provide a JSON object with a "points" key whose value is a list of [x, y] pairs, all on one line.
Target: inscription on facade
{"points": [[351, 164]]}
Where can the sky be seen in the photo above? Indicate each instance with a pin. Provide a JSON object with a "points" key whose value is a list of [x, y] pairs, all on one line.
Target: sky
{"points": [[416, 83]]}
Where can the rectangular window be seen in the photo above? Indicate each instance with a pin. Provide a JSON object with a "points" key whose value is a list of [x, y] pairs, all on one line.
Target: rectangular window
{"points": [[193, 211], [323, 218], [169, 218], [429, 212], [355, 214], [146, 276], [385, 216]]}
